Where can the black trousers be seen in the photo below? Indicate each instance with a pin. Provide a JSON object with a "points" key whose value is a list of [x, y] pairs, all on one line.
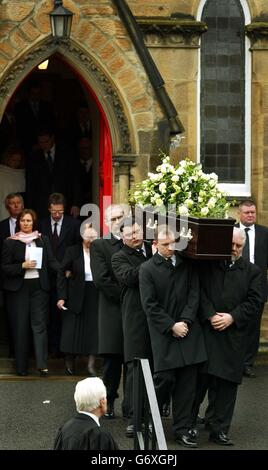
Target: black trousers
{"points": [[28, 309], [112, 371], [253, 338], [221, 401], [181, 383]]}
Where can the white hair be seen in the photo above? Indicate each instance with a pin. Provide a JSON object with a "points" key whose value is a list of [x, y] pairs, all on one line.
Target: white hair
{"points": [[88, 393], [241, 233]]}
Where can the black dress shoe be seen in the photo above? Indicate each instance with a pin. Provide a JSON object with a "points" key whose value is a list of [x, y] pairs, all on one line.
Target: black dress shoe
{"points": [[110, 411], [222, 439], [165, 410], [187, 440], [43, 372], [248, 372], [69, 371]]}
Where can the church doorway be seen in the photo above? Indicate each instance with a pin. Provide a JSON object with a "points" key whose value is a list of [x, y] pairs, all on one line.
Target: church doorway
{"points": [[67, 95]]}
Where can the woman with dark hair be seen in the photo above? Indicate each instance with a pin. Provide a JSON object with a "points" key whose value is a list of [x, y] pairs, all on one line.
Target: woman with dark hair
{"points": [[26, 257]]}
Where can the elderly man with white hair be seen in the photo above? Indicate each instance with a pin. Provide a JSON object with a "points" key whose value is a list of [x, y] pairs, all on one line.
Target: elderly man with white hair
{"points": [[83, 431], [231, 295]]}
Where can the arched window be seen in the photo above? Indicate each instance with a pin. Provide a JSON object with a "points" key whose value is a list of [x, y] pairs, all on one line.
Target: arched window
{"points": [[224, 128]]}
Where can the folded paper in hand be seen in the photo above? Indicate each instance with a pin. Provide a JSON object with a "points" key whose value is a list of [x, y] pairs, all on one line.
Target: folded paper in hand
{"points": [[36, 254]]}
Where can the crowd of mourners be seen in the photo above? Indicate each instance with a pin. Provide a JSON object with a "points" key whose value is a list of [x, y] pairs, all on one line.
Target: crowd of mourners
{"points": [[72, 293], [67, 292]]}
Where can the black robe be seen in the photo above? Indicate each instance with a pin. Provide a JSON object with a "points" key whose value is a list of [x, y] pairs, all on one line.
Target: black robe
{"points": [[82, 433]]}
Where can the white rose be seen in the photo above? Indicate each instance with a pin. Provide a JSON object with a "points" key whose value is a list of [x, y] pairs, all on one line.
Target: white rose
{"points": [[175, 178], [189, 203], [162, 188], [213, 176], [211, 203], [183, 210], [180, 171], [212, 183], [153, 176], [204, 211]]}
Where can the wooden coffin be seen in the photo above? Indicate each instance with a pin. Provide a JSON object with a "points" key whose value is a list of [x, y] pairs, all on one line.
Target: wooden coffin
{"points": [[208, 239]]}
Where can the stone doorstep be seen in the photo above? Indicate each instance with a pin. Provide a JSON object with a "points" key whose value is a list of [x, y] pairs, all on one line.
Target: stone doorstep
{"points": [[55, 366]]}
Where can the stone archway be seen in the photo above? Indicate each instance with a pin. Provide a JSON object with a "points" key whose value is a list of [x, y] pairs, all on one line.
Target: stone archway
{"points": [[79, 60]]}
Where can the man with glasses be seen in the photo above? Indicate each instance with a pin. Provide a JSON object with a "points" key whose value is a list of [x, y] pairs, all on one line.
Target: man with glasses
{"points": [[110, 317], [63, 231]]}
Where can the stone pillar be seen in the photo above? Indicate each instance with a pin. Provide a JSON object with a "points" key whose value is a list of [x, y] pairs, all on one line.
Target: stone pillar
{"points": [[122, 165]]}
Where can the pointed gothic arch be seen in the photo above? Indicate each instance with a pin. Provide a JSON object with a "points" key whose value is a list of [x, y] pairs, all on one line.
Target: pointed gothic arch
{"points": [[89, 72]]}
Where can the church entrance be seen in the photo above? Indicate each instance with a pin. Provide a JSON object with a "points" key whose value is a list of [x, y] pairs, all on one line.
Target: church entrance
{"points": [[76, 117]]}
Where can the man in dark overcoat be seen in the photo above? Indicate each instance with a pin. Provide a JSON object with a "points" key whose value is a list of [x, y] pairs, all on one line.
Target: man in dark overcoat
{"points": [[255, 251], [169, 290], [231, 295], [110, 318], [126, 265]]}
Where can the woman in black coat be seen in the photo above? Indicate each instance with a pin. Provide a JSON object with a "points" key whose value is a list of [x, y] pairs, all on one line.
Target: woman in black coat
{"points": [[27, 290], [79, 301]]}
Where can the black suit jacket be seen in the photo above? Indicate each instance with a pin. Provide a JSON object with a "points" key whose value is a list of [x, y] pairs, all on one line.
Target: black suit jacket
{"points": [[4, 230], [82, 433], [69, 234], [4, 233], [261, 255], [13, 255], [126, 265], [40, 182], [110, 317]]}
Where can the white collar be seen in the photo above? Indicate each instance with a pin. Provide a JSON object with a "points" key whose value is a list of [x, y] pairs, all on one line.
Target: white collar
{"points": [[91, 415]]}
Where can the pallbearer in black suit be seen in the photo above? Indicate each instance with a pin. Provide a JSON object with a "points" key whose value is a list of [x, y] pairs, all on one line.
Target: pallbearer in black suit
{"points": [[83, 431], [77, 293], [126, 266], [110, 317], [26, 282], [62, 231], [255, 251], [230, 297], [169, 291]]}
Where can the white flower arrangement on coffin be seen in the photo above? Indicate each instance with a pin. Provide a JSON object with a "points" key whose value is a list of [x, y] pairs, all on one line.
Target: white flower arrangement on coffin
{"points": [[185, 187]]}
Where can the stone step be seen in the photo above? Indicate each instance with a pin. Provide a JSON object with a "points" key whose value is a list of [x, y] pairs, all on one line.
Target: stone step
{"points": [[55, 366]]}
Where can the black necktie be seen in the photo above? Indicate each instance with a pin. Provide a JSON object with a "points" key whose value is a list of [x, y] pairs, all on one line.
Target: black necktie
{"points": [[245, 253], [49, 161], [169, 260], [141, 252], [55, 239]]}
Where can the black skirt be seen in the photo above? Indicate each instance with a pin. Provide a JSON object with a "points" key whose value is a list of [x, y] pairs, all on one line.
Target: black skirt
{"points": [[80, 331]]}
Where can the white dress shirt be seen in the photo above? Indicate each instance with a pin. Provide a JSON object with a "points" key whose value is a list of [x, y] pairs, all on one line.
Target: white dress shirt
{"points": [[12, 225], [59, 225], [251, 240]]}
